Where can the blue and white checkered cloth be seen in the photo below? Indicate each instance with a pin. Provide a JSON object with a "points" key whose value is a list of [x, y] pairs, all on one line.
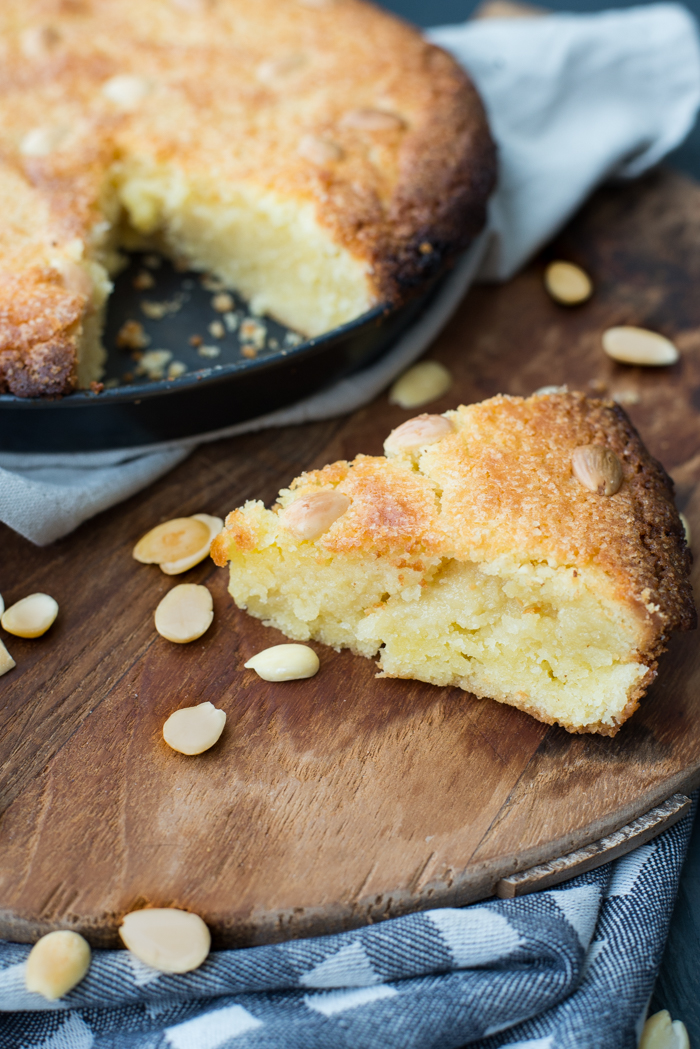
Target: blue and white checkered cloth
{"points": [[571, 968]]}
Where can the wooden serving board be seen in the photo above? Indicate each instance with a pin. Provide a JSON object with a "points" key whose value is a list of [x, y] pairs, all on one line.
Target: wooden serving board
{"points": [[341, 800]]}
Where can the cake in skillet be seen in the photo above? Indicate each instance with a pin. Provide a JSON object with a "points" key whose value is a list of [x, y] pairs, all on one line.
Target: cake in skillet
{"points": [[319, 156], [526, 550]]}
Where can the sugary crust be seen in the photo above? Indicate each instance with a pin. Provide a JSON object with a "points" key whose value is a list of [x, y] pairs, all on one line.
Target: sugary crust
{"points": [[232, 88], [501, 485]]}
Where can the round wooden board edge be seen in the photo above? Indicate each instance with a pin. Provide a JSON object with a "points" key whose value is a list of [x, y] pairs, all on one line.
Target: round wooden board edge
{"points": [[476, 883]]}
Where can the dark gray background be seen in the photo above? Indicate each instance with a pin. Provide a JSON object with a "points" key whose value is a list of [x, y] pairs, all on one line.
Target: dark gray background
{"points": [[678, 986], [442, 12]]}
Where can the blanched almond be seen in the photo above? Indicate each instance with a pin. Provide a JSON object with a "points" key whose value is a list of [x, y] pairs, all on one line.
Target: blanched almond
{"points": [[214, 524], [172, 541], [167, 939], [372, 120], [421, 384], [567, 283], [631, 345], [597, 468], [660, 1032], [192, 730], [125, 90], [185, 613], [30, 617], [319, 150], [311, 515], [57, 963], [284, 663], [417, 433], [6, 660]]}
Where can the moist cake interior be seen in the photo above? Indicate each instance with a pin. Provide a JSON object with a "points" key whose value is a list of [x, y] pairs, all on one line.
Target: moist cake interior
{"points": [[476, 557], [505, 630], [271, 251]]}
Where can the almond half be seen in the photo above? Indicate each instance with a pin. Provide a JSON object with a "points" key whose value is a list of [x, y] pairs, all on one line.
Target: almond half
{"points": [[597, 468], [214, 524]]}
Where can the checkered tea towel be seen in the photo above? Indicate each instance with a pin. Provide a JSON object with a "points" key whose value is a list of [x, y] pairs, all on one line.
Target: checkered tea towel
{"points": [[570, 968]]}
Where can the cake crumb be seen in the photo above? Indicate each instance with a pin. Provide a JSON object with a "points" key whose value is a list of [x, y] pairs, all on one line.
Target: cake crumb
{"points": [[131, 336], [153, 363], [217, 330], [231, 320], [211, 283], [209, 351], [155, 311], [196, 340], [143, 280], [223, 302], [253, 332]]}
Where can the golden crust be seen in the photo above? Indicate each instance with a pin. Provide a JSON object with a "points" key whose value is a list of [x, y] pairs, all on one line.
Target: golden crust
{"points": [[501, 485], [231, 89]]}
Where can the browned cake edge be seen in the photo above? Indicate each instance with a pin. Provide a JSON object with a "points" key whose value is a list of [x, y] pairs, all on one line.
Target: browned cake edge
{"points": [[447, 170]]}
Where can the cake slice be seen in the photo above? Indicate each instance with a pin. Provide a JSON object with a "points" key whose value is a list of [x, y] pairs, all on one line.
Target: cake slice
{"points": [[526, 550]]}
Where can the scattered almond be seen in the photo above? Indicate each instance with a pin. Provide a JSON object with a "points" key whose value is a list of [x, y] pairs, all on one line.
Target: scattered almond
{"points": [[319, 150], [631, 345], [276, 71], [216, 329], [192, 730], [126, 91], [172, 541], [417, 433], [209, 352], [185, 613], [686, 529], [6, 660], [597, 468], [311, 515], [284, 663], [660, 1032], [178, 565], [421, 384], [167, 939], [567, 284], [372, 120], [41, 141], [30, 617], [57, 963]]}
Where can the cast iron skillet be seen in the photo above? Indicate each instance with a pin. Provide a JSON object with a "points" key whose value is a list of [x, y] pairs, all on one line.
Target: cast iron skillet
{"points": [[253, 368]]}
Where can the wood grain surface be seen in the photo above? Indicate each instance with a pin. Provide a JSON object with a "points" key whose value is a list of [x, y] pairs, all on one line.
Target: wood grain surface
{"points": [[341, 800]]}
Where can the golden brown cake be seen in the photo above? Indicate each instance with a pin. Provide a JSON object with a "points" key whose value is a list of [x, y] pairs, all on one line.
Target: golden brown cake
{"points": [[524, 550], [317, 155]]}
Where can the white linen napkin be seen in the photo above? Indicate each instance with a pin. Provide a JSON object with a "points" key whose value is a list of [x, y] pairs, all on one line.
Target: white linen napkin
{"points": [[572, 100]]}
